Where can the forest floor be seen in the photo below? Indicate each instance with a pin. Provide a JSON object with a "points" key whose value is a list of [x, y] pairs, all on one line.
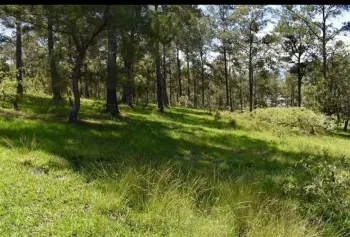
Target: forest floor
{"points": [[186, 172]]}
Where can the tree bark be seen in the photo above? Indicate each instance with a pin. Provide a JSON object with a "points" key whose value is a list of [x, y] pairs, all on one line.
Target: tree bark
{"points": [[165, 94], [179, 70], [73, 116], [188, 74], [300, 76], [251, 79], [19, 57], [170, 86], [346, 126], [56, 92], [158, 73], [86, 81], [202, 75], [112, 103], [226, 78], [127, 87]]}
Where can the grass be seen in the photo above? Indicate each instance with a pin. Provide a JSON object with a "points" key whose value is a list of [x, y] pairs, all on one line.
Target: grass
{"points": [[181, 173]]}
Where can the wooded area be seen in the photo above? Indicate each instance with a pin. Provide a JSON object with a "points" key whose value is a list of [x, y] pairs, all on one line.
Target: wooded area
{"points": [[183, 120], [164, 54]]}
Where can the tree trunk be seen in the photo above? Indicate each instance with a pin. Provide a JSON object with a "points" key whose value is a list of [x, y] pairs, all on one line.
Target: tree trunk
{"points": [[194, 90], [19, 57], [112, 103], [56, 92], [179, 70], [226, 78], [346, 126], [88, 78], [158, 73], [324, 52], [300, 76], [147, 89], [251, 79], [127, 90], [73, 116], [188, 74], [202, 75], [170, 86], [164, 92]]}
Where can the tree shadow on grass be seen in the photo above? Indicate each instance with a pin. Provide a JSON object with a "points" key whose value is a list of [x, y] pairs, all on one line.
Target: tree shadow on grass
{"points": [[140, 142]]}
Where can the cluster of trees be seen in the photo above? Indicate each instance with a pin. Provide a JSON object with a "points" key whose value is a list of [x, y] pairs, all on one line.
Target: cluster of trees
{"points": [[216, 57]]}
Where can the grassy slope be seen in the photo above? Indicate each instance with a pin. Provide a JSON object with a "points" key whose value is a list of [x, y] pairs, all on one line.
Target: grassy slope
{"points": [[181, 173]]}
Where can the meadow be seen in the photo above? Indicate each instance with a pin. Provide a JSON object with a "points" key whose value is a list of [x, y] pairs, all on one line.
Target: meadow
{"points": [[187, 172]]}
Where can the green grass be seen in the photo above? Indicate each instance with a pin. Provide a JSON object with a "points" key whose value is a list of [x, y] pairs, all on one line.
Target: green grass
{"points": [[181, 173]]}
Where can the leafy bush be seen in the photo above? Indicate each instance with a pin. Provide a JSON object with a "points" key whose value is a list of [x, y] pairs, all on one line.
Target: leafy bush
{"points": [[8, 83], [325, 192], [296, 120]]}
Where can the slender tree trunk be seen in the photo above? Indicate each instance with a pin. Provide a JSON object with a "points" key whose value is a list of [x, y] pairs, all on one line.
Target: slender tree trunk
{"points": [[81, 85], [56, 93], [241, 98], [19, 57], [251, 79], [170, 86], [112, 102], [346, 126], [87, 78], [324, 52], [194, 90], [73, 116], [87, 81], [202, 75], [147, 89], [188, 74], [179, 70], [165, 94], [300, 76], [158, 73], [226, 79], [127, 90]]}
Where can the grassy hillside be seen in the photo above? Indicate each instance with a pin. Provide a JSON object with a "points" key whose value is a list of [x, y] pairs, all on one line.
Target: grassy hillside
{"points": [[182, 173]]}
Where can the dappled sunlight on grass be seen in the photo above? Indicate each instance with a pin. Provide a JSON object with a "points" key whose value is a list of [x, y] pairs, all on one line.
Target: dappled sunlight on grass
{"points": [[183, 172]]}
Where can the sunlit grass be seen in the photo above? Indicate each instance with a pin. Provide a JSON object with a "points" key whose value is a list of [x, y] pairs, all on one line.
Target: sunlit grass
{"points": [[182, 173]]}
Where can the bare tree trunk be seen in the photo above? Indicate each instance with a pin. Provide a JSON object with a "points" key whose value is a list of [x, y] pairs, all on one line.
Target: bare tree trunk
{"points": [[19, 57], [202, 75], [127, 90], [147, 89], [170, 86], [251, 79], [73, 116], [165, 94], [299, 83], [226, 78], [56, 92], [112, 103], [188, 74], [88, 78], [179, 70], [346, 126], [158, 73]]}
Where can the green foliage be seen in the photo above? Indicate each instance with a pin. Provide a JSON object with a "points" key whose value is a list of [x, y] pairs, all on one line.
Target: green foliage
{"points": [[324, 190], [8, 83], [299, 120]]}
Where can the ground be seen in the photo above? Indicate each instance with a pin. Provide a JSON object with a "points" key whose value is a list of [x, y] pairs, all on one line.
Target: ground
{"points": [[186, 172]]}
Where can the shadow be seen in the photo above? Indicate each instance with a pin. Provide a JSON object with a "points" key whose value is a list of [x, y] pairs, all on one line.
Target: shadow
{"points": [[138, 142]]}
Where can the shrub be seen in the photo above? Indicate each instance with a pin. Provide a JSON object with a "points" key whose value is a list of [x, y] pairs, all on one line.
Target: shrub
{"points": [[324, 191], [297, 120]]}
